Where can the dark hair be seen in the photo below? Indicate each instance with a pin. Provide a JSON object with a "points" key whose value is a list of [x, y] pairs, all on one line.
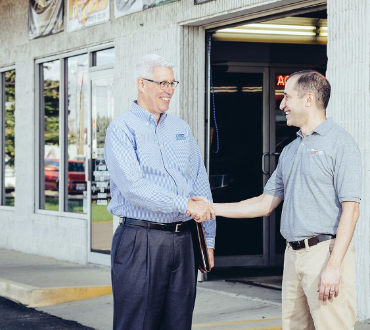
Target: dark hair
{"points": [[311, 81]]}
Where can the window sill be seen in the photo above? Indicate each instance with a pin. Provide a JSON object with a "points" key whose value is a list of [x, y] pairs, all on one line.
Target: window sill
{"points": [[7, 208], [62, 214]]}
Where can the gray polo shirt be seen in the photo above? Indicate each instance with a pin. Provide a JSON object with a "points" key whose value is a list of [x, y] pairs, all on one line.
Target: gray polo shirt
{"points": [[315, 174]]}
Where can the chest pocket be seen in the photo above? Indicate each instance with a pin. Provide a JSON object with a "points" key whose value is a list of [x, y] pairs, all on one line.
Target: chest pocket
{"points": [[148, 151], [316, 165]]}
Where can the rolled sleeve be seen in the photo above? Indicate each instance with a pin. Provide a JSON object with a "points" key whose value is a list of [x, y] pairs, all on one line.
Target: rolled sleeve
{"points": [[348, 173], [275, 185]]}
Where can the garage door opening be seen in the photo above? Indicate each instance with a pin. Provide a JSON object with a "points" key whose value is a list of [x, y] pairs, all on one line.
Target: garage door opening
{"points": [[246, 131]]}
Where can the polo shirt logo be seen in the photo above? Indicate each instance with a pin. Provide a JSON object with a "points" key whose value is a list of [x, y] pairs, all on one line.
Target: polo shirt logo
{"points": [[180, 137], [315, 152]]}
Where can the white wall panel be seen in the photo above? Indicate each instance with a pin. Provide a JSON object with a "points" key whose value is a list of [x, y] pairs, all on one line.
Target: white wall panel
{"points": [[348, 72]]}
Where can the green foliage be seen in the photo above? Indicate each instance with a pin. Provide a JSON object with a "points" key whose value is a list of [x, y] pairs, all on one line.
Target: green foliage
{"points": [[9, 116], [102, 123], [100, 213], [51, 101]]}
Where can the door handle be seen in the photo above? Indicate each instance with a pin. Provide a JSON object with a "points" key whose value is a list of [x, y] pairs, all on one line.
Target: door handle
{"points": [[263, 163], [276, 154], [88, 169]]}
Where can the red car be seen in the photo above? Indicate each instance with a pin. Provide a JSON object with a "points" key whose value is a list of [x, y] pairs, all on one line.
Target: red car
{"points": [[76, 175]]}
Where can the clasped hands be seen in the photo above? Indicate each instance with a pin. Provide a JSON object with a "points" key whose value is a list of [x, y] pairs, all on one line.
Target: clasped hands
{"points": [[200, 209]]}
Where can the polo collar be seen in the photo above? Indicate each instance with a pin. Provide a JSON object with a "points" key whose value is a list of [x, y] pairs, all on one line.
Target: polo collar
{"points": [[145, 115], [322, 129]]}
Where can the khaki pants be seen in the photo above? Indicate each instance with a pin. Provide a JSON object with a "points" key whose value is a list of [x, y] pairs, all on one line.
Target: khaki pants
{"points": [[302, 309]]}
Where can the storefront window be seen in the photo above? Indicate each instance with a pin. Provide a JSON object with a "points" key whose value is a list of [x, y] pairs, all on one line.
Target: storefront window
{"points": [[9, 157], [103, 57], [49, 170], [76, 190], [65, 159]]}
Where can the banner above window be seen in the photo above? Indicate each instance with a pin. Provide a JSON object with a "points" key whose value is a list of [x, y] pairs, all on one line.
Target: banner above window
{"points": [[85, 13], [125, 7], [198, 2], [45, 17]]}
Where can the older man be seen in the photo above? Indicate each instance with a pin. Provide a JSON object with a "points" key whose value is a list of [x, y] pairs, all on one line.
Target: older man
{"points": [[319, 177], [156, 168]]}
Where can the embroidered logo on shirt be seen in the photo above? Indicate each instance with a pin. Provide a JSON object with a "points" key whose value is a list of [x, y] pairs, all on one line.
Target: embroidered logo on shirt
{"points": [[180, 137], [315, 152]]}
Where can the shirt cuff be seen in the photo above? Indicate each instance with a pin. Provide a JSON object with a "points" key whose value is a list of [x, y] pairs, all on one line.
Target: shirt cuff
{"points": [[349, 199], [180, 204], [210, 242], [275, 193]]}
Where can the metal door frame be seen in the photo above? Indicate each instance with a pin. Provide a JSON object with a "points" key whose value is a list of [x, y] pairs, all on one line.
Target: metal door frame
{"points": [[94, 257], [277, 259], [207, 28], [269, 257], [247, 260]]}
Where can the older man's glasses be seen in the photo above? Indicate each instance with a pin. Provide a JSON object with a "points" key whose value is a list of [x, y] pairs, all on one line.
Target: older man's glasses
{"points": [[164, 84]]}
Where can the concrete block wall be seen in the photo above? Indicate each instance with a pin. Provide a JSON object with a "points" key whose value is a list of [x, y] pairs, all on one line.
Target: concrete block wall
{"points": [[155, 30], [349, 74]]}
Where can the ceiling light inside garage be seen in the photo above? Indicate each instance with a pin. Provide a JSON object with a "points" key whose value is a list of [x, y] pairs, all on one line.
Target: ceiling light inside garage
{"points": [[286, 30]]}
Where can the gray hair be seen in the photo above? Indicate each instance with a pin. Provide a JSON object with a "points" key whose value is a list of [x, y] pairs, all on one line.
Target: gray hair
{"points": [[145, 66]]}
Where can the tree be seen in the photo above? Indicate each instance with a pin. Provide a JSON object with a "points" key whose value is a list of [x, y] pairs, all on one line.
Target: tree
{"points": [[9, 116], [51, 102]]}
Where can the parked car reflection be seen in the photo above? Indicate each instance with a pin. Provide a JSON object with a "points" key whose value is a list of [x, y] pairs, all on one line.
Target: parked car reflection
{"points": [[9, 179], [76, 175]]}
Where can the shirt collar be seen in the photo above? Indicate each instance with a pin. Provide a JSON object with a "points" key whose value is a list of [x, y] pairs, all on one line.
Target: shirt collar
{"points": [[145, 115], [322, 129]]}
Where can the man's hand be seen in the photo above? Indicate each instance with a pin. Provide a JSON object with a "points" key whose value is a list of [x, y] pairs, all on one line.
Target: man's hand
{"points": [[203, 210], [194, 214], [330, 276], [260, 206], [211, 255], [329, 283]]}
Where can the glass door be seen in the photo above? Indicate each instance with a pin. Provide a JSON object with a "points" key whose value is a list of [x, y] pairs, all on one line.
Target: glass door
{"points": [[238, 137], [280, 136], [100, 220]]}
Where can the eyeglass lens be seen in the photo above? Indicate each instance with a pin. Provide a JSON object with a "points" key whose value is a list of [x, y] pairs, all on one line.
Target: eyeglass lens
{"points": [[164, 84]]}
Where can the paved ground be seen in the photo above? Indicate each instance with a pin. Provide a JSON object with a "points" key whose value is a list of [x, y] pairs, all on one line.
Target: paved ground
{"points": [[14, 316], [242, 302], [219, 305], [228, 308], [45, 272], [101, 235]]}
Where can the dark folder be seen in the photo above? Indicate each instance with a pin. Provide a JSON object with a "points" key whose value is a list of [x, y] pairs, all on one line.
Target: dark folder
{"points": [[200, 247]]}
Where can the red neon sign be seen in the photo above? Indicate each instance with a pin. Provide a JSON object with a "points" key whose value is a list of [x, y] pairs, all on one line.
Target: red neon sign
{"points": [[281, 80]]}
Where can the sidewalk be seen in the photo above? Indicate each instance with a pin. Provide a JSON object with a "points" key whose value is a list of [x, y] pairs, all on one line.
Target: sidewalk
{"points": [[38, 281], [62, 288]]}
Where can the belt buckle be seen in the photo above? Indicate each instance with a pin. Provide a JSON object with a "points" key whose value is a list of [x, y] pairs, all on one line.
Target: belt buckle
{"points": [[177, 228], [296, 245]]}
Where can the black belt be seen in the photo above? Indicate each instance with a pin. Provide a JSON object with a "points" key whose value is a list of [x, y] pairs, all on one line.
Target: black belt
{"points": [[311, 241], [177, 227]]}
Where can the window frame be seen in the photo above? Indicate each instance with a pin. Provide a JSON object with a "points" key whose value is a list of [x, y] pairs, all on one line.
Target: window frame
{"points": [[2, 138], [63, 117]]}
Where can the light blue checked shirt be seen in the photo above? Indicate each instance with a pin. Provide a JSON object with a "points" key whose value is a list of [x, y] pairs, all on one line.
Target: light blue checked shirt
{"points": [[155, 169]]}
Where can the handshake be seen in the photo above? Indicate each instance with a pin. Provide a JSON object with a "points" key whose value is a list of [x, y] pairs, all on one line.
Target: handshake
{"points": [[200, 209]]}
